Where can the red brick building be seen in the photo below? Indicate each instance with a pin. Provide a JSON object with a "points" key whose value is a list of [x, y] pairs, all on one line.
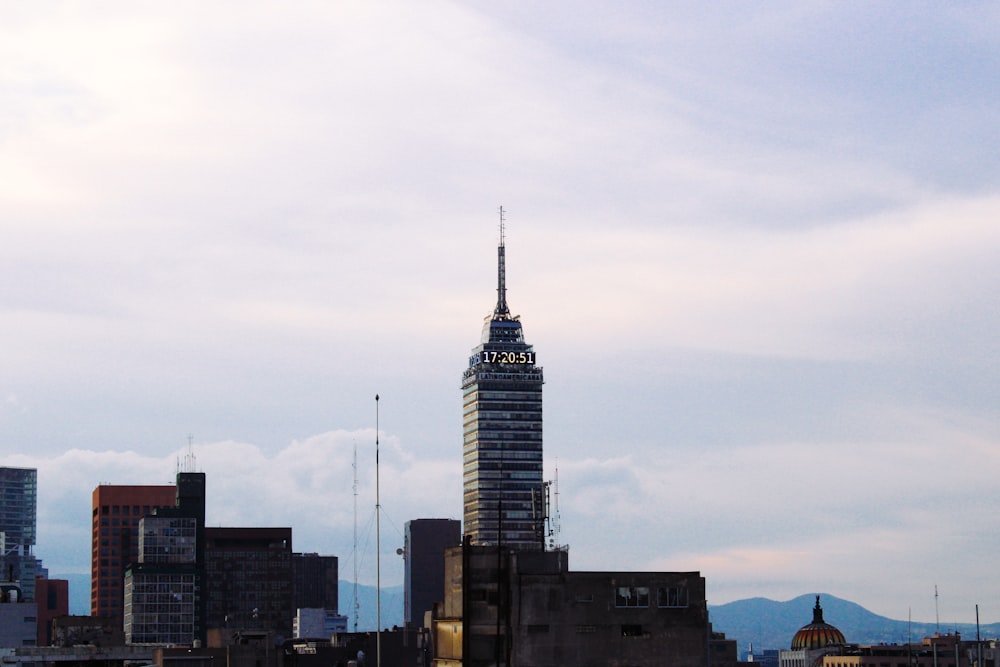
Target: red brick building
{"points": [[116, 512]]}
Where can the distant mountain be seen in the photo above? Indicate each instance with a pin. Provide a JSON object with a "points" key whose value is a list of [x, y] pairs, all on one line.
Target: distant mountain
{"points": [[392, 606], [771, 625]]}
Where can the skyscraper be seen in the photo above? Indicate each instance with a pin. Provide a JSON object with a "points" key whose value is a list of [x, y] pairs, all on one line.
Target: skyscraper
{"points": [[18, 506], [116, 512], [502, 431], [18, 512]]}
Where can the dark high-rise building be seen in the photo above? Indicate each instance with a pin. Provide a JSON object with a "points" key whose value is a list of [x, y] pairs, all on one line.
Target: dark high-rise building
{"points": [[502, 431], [116, 513], [18, 513], [248, 579], [315, 581], [423, 579]]}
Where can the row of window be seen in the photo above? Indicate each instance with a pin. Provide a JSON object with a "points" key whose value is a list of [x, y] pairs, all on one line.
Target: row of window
{"points": [[638, 596], [126, 510], [121, 522]]}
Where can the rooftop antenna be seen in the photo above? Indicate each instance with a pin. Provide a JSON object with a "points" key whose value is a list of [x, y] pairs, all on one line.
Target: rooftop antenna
{"points": [[937, 618], [556, 528], [378, 555], [190, 463], [502, 311], [355, 466]]}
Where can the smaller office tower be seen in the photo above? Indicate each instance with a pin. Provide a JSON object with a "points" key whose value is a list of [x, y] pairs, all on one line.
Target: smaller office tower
{"points": [[116, 512], [18, 512], [163, 601], [161, 590], [423, 578], [315, 581], [248, 580], [315, 596]]}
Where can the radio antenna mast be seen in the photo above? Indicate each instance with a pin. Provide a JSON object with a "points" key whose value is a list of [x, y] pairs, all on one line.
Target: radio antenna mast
{"points": [[378, 554], [355, 466], [502, 312], [937, 618]]}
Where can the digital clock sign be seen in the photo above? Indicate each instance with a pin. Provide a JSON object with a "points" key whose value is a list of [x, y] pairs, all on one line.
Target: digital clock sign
{"points": [[504, 357]]}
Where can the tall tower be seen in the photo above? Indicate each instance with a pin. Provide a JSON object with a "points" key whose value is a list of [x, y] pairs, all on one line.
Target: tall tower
{"points": [[502, 431], [18, 509]]}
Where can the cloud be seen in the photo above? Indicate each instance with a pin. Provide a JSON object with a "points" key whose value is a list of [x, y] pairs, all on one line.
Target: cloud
{"points": [[309, 485]]}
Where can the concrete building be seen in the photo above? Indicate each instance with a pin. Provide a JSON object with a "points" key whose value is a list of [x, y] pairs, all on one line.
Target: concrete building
{"points": [[18, 528], [507, 607], [18, 620], [248, 580], [317, 623], [52, 601], [502, 432], [937, 651], [116, 512], [423, 574], [94, 631]]}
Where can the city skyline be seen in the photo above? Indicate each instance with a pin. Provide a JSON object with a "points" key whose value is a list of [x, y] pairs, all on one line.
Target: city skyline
{"points": [[754, 247]]}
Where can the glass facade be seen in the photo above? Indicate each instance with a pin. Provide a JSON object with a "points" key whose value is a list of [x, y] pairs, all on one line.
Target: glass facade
{"points": [[502, 432], [160, 607], [168, 539], [18, 512], [18, 506]]}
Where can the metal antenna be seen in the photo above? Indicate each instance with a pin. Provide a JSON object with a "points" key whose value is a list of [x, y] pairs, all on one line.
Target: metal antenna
{"points": [[556, 527], [355, 465], [937, 617], [190, 462], [378, 554], [501, 312]]}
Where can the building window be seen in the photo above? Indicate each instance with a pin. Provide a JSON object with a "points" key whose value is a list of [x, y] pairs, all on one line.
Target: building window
{"points": [[671, 596], [632, 596], [632, 631]]}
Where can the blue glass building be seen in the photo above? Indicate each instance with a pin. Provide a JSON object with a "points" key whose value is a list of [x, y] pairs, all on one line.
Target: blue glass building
{"points": [[18, 512]]}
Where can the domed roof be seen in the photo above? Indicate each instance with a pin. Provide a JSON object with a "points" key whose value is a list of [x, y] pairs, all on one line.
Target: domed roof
{"points": [[817, 634]]}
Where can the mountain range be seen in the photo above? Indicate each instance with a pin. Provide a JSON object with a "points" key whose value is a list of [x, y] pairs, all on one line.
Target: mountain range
{"points": [[766, 624]]}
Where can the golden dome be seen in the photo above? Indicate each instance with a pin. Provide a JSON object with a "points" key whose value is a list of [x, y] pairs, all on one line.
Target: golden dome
{"points": [[817, 634]]}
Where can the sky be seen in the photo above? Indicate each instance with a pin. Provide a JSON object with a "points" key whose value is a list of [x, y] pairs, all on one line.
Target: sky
{"points": [[755, 247]]}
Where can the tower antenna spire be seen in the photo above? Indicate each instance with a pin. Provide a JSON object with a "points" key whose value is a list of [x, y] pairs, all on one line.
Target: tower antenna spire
{"points": [[501, 312]]}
